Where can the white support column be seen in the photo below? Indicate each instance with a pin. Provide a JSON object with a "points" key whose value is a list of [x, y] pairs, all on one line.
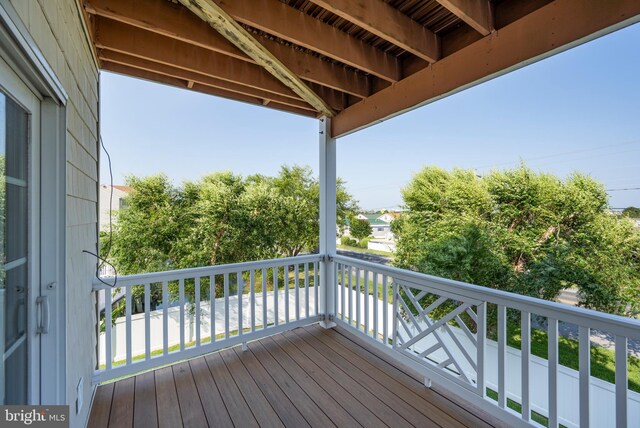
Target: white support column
{"points": [[327, 221]]}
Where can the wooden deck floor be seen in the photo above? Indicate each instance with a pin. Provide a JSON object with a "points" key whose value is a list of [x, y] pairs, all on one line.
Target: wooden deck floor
{"points": [[284, 380]]}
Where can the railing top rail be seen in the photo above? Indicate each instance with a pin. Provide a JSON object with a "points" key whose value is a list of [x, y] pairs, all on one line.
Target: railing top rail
{"points": [[172, 275], [576, 315]]}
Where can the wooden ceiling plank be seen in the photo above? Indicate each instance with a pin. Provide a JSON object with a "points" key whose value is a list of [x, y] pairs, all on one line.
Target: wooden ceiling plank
{"points": [[388, 23], [175, 21], [220, 20], [165, 18], [566, 23], [281, 20], [143, 44], [106, 55], [180, 83], [476, 13]]}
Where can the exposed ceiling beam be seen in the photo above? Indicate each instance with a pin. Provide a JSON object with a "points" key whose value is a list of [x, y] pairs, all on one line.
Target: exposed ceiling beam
{"points": [[106, 55], [165, 18], [566, 23], [476, 13], [220, 20], [175, 21], [281, 20], [143, 44], [171, 81], [389, 23]]}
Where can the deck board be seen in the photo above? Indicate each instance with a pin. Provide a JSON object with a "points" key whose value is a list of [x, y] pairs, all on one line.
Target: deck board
{"points": [[214, 408], [167, 399], [145, 413], [308, 377], [190, 405], [122, 407]]}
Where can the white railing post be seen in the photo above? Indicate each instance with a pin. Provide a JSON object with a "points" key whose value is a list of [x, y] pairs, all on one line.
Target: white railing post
{"points": [[327, 221]]}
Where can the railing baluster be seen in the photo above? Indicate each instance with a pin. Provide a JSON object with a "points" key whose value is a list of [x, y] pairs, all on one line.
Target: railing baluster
{"points": [[350, 297], [481, 339], [276, 313], [316, 285], [265, 313], [285, 283], [306, 289], [502, 355], [385, 309], [342, 288], [181, 302], [296, 284], [553, 371], [240, 287], [525, 359], [108, 357], [376, 301], [622, 381], [147, 321], [127, 302], [226, 305], [212, 307], [394, 334], [336, 266], [585, 374], [358, 295], [165, 318], [197, 299], [365, 281], [252, 282]]}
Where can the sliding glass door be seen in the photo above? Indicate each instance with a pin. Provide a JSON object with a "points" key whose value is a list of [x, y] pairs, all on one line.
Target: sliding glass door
{"points": [[19, 289]]}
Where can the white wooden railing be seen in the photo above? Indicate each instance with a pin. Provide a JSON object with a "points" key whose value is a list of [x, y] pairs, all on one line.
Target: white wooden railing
{"points": [[456, 333], [254, 300], [449, 330]]}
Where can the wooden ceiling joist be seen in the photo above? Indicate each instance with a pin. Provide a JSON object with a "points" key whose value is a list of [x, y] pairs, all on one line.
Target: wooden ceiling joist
{"points": [[215, 16], [175, 21], [106, 55], [476, 13], [184, 84], [283, 21], [133, 41], [388, 23], [565, 23]]}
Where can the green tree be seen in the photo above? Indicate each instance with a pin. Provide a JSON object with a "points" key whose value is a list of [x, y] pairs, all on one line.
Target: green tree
{"points": [[631, 212], [359, 228], [521, 231], [222, 218]]}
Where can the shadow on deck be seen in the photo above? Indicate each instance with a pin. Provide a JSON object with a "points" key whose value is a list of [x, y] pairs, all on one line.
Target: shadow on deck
{"points": [[305, 377]]}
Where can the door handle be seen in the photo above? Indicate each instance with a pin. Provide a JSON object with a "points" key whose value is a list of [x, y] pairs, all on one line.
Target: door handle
{"points": [[43, 322]]}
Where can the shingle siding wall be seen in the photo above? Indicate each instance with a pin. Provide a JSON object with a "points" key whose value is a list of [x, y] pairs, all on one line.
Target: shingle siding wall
{"points": [[56, 27]]}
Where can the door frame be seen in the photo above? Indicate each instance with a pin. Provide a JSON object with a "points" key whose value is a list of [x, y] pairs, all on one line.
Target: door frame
{"points": [[19, 50], [13, 88]]}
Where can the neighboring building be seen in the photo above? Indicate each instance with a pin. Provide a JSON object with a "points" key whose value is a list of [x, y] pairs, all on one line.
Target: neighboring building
{"points": [[380, 224], [119, 193]]}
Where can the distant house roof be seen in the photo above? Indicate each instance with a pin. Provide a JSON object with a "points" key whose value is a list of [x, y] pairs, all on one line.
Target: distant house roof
{"points": [[373, 219], [126, 189]]}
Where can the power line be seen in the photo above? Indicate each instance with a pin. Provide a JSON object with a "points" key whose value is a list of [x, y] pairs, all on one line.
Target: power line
{"points": [[623, 189]]}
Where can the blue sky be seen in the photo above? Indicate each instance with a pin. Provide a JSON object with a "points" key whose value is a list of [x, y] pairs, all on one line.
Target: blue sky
{"points": [[576, 111]]}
